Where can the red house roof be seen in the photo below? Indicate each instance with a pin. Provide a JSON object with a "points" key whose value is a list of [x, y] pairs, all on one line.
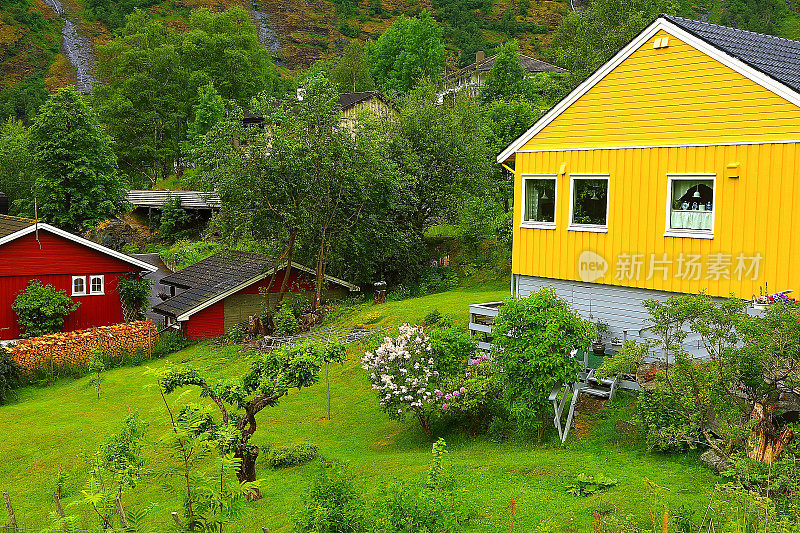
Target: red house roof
{"points": [[12, 228]]}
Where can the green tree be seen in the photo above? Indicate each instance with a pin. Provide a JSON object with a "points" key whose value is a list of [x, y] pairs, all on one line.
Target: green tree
{"points": [[208, 111], [763, 16], [145, 99], [134, 293], [411, 49], [442, 155], [16, 178], [271, 376], [174, 220], [41, 309], [533, 338], [351, 72], [224, 49], [505, 80], [303, 178], [586, 39], [77, 181]]}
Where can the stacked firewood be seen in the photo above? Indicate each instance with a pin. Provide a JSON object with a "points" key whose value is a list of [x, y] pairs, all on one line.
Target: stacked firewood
{"points": [[74, 349]]}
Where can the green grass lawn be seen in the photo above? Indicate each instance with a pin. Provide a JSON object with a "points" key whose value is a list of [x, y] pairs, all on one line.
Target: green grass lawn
{"points": [[57, 425]]}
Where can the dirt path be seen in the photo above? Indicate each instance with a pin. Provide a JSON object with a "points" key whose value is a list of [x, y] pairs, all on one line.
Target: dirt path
{"points": [[75, 47]]}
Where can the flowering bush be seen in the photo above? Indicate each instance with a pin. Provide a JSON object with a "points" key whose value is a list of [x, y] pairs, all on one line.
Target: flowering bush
{"points": [[403, 373], [474, 395]]}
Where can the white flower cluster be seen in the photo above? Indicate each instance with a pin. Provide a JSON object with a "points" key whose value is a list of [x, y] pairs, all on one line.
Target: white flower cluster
{"points": [[402, 370]]}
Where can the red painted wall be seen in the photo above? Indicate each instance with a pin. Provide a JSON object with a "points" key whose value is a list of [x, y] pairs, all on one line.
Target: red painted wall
{"points": [[54, 263], [208, 323]]}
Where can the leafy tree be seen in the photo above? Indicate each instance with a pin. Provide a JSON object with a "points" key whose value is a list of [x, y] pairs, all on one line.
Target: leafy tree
{"points": [[134, 293], [224, 49], [113, 12], [586, 39], [533, 338], [763, 16], [173, 220], [303, 177], [41, 309], [285, 321], [208, 111], [16, 180], [77, 181], [351, 72], [749, 363], [505, 80], [410, 50], [441, 152], [145, 99], [270, 377]]}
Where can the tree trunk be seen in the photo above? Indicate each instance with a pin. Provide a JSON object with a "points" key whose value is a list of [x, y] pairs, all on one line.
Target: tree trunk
{"points": [[289, 254], [425, 423], [768, 444], [320, 273], [247, 469]]}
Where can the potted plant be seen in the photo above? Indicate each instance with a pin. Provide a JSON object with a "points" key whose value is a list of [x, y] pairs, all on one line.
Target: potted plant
{"points": [[599, 344]]}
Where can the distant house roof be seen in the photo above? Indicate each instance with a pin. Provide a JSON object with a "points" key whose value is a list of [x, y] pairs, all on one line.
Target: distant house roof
{"points": [[12, 228], [10, 225], [346, 101], [530, 64], [776, 57], [217, 277], [189, 199]]}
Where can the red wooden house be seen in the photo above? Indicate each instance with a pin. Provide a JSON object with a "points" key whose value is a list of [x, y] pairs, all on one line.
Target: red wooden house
{"points": [[87, 271], [219, 292]]}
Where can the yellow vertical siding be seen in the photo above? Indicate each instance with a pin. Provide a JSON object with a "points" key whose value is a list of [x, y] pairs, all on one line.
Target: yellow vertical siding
{"points": [[674, 95], [754, 214]]}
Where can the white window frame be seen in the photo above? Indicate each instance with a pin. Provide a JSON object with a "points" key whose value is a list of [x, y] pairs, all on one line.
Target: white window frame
{"points": [[72, 286], [102, 279], [594, 228], [534, 224], [669, 231]]}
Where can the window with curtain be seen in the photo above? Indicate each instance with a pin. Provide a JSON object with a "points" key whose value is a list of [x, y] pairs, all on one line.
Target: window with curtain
{"points": [[692, 204], [590, 201], [540, 200]]}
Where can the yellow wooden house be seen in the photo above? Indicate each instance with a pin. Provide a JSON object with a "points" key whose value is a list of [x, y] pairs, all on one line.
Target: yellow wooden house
{"points": [[674, 168]]}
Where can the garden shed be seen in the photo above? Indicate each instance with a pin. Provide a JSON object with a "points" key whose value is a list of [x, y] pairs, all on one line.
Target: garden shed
{"points": [[212, 296], [85, 270]]}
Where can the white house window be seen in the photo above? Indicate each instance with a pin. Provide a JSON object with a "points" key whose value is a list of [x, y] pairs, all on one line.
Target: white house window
{"points": [[78, 285], [589, 203], [692, 203], [539, 202], [96, 284]]}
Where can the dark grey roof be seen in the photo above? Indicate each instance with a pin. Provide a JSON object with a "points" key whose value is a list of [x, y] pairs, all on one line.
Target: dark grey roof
{"points": [[776, 57], [348, 100], [530, 64], [189, 199], [211, 277], [10, 225]]}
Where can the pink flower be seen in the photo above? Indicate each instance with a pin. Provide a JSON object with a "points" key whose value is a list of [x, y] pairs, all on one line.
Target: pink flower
{"points": [[462, 390], [447, 396], [438, 393], [456, 393], [444, 407]]}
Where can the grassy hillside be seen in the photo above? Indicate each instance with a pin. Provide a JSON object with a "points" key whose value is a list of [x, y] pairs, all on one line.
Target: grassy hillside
{"points": [[55, 426]]}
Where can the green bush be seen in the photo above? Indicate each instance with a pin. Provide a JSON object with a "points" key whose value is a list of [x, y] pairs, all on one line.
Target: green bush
{"points": [[453, 347], [134, 293], [292, 455], [334, 503], [9, 375], [586, 485], [41, 309], [174, 220], [285, 321], [533, 338], [170, 342]]}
